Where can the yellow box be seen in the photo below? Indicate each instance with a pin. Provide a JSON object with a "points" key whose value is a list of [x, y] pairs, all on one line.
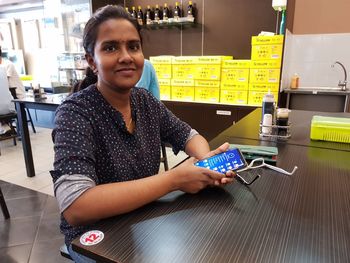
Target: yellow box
{"points": [[184, 60], [235, 86], [255, 97], [182, 82], [266, 52], [209, 60], [264, 87], [208, 72], [182, 93], [165, 92], [268, 63], [264, 40], [207, 94], [183, 71], [230, 96], [263, 75], [207, 83], [164, 82], [163, 71], [233, 75], [161, 59], [236, 63]]}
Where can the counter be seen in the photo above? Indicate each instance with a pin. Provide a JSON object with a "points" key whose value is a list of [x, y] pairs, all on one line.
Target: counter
{"points": [[320, 99]]}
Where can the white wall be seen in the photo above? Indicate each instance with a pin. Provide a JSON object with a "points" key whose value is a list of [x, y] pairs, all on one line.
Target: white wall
{"points": [[311, 57]]}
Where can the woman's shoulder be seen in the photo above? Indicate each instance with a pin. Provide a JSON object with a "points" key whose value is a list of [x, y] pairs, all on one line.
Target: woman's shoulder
{"points": [[84, 99]]}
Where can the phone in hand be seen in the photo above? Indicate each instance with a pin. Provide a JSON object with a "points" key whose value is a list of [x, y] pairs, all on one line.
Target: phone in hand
{"points": [[231, 160]]}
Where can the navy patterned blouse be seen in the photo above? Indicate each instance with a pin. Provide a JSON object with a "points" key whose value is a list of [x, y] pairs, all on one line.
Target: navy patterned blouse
{"points": [[93, 146]]}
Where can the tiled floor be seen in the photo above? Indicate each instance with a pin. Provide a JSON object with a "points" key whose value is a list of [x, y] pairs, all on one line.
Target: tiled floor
{"points": [[32, 233]]}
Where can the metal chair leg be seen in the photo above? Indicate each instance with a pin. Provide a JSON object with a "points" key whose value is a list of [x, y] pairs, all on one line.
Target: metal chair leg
{"points": [[4, 209]]}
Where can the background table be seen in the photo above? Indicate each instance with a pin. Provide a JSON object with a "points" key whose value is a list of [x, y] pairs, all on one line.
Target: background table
{"points": [[48, 104], [302, 218]]}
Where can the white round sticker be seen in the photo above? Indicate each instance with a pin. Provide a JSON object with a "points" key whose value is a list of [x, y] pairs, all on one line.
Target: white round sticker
{"points": [[91, 238]]}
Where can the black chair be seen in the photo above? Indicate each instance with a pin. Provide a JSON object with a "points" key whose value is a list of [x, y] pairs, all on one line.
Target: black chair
{"points": [[4, 209], [164, 158], [64, 252], [30, 120], [9, 119]]}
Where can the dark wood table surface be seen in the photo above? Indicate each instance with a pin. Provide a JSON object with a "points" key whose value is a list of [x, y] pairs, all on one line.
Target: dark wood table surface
{"points": [[50, 103], [301, 218], [248, 128]]}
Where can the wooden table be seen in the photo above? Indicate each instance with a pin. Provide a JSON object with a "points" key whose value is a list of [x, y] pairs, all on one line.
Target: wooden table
{"points": [[48, 104], [302, 218], [248, 128]]}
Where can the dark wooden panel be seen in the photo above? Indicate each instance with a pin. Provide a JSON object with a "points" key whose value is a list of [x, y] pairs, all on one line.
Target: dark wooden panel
{"points": [[205, 118], [223, 28], [229, 25]]}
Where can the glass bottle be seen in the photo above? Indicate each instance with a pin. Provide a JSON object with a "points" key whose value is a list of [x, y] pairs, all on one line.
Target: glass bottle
{"points": [[140, 16], [177, 11], [149, 15], [157, 14], [133, 12], [165, 12], [190, 9], [127, 10]]}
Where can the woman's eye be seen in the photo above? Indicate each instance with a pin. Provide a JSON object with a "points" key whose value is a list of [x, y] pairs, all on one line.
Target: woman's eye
{"points": [[110, 48], [135, 46]]}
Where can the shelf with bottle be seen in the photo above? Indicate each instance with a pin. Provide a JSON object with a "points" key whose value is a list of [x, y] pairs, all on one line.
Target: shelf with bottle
{"points": [[164, 17]]}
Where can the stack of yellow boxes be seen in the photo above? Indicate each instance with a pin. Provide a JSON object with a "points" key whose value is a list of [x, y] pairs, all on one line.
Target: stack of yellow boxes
{"points": [[162, 66], [182, 81], [265, 67], [234, 81], [207, 78]]}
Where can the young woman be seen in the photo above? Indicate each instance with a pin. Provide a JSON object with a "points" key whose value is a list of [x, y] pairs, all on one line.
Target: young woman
{"points": [[107, 136]]}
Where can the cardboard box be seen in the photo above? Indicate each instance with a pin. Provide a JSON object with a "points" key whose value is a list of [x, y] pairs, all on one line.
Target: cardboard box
{"points": [[265, 40], [235, 86], [236, 63], [230, 96], [207, 94], [255, 97], [263, 75], [234, 75], [266, 52]]}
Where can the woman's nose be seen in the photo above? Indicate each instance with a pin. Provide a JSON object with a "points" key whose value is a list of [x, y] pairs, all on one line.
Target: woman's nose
{"points": [[125, 55]]}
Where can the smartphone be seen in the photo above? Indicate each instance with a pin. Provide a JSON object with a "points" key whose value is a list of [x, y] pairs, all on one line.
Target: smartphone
{"points": [[232, 159]]}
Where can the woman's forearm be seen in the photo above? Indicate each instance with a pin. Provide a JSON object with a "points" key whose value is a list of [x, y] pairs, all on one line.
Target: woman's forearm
{"points": [[112, 199], [197, 147]]}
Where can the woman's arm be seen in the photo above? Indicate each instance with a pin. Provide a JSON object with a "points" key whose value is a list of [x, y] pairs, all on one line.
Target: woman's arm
{"points": [[197, 147], [112, 199]]}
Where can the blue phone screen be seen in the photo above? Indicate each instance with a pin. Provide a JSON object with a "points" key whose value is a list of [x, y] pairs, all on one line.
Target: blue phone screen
{"points": [[223, 162]]}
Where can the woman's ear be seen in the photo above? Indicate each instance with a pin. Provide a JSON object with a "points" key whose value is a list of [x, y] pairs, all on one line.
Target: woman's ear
{"points": [[90, 60]]}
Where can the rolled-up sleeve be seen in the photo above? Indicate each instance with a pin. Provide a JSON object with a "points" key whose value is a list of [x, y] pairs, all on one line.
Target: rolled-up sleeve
{"points": [[74, 164], [173, 130]]}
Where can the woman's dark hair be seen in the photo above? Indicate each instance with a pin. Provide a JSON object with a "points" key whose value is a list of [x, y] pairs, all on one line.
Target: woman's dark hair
{"points": [[101, 15], [90, 78], [90, 35]]}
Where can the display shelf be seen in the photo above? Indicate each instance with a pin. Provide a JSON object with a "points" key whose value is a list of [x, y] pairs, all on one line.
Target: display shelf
{"points": [[185, 24]]}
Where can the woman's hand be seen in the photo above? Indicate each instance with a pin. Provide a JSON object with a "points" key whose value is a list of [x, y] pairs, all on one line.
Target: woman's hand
{"points": [[191, 178], [230, 174]]}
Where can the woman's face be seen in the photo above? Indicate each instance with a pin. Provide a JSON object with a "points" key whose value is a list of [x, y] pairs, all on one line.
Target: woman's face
{"points": [[118, 55]]}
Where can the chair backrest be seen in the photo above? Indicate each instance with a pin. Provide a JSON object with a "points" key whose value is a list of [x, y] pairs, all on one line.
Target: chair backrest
{"points": [[6, 104]]}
